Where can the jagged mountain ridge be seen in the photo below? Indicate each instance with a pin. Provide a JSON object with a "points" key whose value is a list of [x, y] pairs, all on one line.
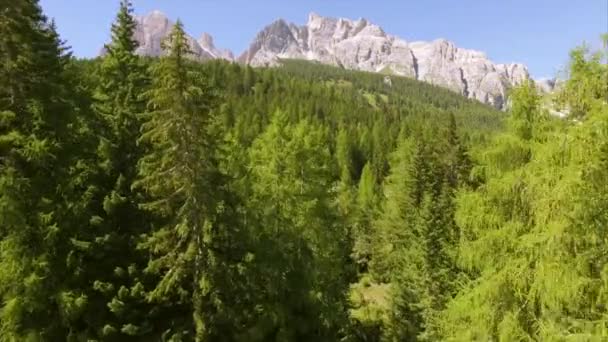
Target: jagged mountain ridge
{"points": [[361, 45], [357, 45]]}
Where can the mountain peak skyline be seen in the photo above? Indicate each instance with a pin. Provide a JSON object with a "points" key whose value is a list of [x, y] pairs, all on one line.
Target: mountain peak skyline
{"points": [[355, 45], [538, 38]]}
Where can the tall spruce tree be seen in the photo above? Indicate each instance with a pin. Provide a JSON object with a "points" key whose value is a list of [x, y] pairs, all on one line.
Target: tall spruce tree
{"points": [[415, 239], [112, 265], [180, 174]]}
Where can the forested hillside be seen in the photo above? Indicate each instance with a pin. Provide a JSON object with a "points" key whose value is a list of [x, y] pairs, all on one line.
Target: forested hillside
{"points": [[161, 199]]}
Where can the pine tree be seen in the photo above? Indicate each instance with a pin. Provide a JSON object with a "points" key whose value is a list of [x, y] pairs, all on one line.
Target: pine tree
{"points": [[121, 80], [180, 174], [421, 172], [438, 233], [380, 142], [414, 250]]}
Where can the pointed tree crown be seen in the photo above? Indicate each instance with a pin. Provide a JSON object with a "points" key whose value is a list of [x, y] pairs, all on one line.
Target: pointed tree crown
{"points": [[176, 44], [123, 31]]}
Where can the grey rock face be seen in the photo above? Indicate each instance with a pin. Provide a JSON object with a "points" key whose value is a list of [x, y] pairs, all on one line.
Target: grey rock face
{"points": [[153, 28], [361, 45], [278, 40], [206, 43], [355, 45]]}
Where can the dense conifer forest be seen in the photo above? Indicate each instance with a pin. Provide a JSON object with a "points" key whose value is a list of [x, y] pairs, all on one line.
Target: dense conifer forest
{"points": [[162, 199]]}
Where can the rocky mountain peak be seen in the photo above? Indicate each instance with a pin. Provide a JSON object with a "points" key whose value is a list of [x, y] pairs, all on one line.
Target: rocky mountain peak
{"points": [[206, 40], [362, 45], [279, 28], [357, 45], [207, 44], [315, 20]]}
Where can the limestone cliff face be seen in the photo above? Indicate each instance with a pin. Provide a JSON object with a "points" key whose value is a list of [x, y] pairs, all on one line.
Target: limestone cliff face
{"points": [[361, 45]]}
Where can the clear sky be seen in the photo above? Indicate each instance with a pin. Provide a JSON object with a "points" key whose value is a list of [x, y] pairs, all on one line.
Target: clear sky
{"points": [[538, 33]]}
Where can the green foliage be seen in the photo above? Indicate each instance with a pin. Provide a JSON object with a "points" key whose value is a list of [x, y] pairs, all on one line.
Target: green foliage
{"points": [[367, 202], [168, 200], [108, 246], [587, 86], [180, 175], [530, 234], [39, 190], [293, 202]]}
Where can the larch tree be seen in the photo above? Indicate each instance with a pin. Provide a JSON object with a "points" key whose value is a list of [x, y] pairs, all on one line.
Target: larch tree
{"points": [[303, 252]]}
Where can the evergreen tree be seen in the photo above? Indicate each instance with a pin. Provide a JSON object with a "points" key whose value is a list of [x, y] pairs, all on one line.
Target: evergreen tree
{"points": [[366, 207], [459, 164], [398, 248], [417, 234], [180, 174], [344, 159], [38, 205], [112, 265]]}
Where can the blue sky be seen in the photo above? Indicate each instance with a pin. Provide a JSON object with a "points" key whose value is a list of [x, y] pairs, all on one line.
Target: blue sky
{"points": [[538, 33]]}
